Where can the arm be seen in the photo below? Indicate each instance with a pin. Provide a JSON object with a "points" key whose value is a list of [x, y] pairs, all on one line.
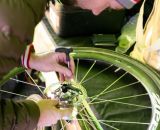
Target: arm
{"points": [[13, 48], [22, 115], [53, 61], [16, 31], [10, 52], [30, 113], [49, 113]]}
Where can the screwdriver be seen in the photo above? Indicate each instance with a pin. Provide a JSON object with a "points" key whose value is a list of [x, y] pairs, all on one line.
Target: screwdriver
{"points": [[67, 51]]}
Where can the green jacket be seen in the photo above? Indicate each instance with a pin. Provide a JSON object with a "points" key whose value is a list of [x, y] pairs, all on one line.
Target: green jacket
{"points": [[22, 115], [18, 19]]}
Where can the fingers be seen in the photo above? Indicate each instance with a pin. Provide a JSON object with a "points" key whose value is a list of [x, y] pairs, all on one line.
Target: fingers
{"points": [[66, 113], [61, 77], [51, 105], [74, 125], [64, 70], [54, 62], [50, 113]]}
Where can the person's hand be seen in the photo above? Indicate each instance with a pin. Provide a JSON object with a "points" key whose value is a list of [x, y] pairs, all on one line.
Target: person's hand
{"points": [[53, 61], [74, 125], [50, 114]]}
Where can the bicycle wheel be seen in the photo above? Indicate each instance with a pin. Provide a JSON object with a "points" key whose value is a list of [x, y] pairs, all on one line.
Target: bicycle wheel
{"points": [[121, 93]]}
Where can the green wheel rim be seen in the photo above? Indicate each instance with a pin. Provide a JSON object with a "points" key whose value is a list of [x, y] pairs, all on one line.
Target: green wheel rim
{"points": [[148, 77]]}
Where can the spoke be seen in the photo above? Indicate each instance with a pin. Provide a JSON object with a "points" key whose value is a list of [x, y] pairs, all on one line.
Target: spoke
{"points": [[117, 121], [84, 115], [81, 115], [113, 83], [87, 116], [31, 83], [77, 67], [101, 93], [13, 93], [133, 96], [116, 89], [122, 87], [110, 126], [123, 103], [127, 97], [63, 126], [126, 122], [36, 84], [97, 74], [25, 82], [122, 122], [88, 71], [88, 121], [101, 121]]}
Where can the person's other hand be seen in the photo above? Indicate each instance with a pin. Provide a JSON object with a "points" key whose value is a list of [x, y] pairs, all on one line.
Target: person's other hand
{"points": [[50, 114], [53, 61], [74, 125]]}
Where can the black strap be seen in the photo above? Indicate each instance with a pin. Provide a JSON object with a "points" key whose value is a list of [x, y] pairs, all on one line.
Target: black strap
{"points": [[148, 6]]}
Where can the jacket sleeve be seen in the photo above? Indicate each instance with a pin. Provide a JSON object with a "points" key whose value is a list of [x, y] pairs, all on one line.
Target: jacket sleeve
{"points": [[22, 115], [38, 8], [19, 19], [11, 50], [128, 4]]}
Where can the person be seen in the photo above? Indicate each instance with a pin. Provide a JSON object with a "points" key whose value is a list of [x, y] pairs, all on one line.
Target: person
{"points": [[97, 6], [17, 22]]}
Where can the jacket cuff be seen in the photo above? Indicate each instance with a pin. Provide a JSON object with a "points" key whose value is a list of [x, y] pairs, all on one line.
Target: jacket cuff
{"points": [[128, 4], [25, 58]]}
